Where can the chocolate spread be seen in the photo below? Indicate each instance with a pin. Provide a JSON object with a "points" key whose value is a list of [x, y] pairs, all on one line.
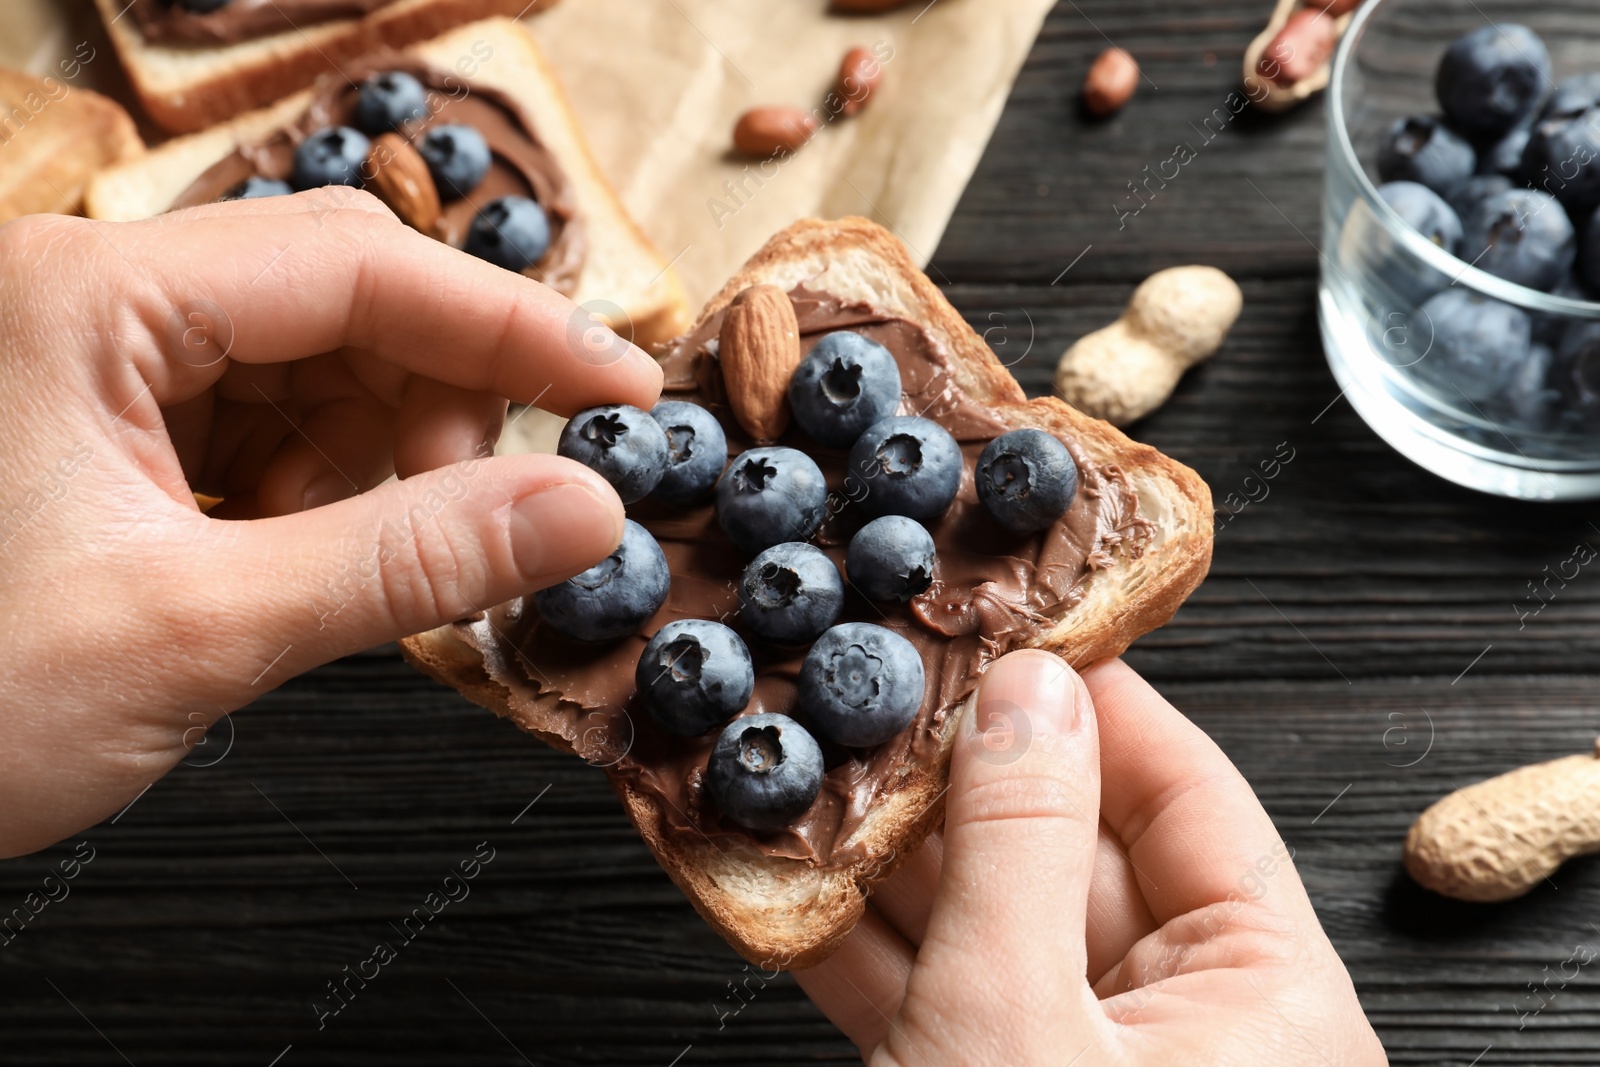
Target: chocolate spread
{"points": [[239, 20], [520, 163], [993, 592]]}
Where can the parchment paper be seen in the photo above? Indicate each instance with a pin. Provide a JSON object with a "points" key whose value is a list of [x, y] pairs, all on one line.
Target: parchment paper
{"points": [[657, 85]]}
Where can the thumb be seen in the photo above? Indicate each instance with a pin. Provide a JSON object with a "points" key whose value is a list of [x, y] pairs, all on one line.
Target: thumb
{"points": [[407, 556], [1021, 827]]}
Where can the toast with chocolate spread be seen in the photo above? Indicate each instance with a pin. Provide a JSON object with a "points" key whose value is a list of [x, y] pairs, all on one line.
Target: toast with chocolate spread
{"points": [[53, 137], [193, 68], [1134, 541], [489, 76]]}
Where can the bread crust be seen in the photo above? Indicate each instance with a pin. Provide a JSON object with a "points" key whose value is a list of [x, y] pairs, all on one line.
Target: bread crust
{"points": [[784, 913], [53, 138], [189, 87]]}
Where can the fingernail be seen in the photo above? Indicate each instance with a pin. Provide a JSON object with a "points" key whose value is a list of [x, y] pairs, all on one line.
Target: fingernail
{"points": [[1039, 686], [324, 489], [563, 530]]}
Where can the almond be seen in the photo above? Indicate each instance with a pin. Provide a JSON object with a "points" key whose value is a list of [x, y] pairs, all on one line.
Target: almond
{"points": [[1300, 49], [759, 348], [859, 75], [398, 175], [766, 131], [1335, 7], [1110, 83]]}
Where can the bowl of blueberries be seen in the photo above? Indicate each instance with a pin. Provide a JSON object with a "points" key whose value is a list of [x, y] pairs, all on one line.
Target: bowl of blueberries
{"points": [[1460, 288]]}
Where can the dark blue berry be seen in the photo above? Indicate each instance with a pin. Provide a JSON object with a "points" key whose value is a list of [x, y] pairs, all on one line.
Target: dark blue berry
{"points": [[203, 7], [1577, 369], [1026, 479], [621, 443], [331, 156], [694, 674], [255, 187], [1530, 398], [1523, 236], [790, 594], [697, 450], [1589, 259], [1493, 78], [388, 101], [614, 597], [1472, 192], [1478, 344], [1424, 150], [906, 466], [891, 559], [765, 771], [771, 495], [1424, 211], [845, 384], [1507, 155], [511, 232], [457, 157], [861, 684], [1564, 160]]}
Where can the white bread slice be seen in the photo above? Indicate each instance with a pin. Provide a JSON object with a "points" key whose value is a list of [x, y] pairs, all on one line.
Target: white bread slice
{"points": [[52, 138], [786, 913], [622, 269], [187, 87]]}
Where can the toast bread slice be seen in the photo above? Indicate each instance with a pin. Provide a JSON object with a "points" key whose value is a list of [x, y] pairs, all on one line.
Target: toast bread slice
{"points": [[187, 87], [53, 137], [622, 270], [789, 913]]}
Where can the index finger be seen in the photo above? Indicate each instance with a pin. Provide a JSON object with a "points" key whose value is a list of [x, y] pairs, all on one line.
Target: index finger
{"points": [[1194, 831], [320, 271]]}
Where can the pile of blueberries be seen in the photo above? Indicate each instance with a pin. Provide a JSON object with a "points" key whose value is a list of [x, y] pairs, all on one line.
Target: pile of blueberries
{"points": [[1507, 179], [860, 684], [509, 231]]}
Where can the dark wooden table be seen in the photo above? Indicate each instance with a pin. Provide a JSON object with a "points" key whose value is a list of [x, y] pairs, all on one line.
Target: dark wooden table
{"points": [[1357, 650]]}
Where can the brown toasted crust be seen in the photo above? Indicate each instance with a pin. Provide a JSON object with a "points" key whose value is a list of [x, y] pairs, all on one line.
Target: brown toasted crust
{"points": [[53, 137], [189, 87], [784, 913]]}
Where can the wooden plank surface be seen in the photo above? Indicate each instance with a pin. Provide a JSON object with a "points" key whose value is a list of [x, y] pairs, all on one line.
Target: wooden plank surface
{"points": [[1357, 651]]}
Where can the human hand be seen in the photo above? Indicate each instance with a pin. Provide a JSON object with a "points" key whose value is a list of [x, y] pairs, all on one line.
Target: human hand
{"points": [[1107, 890], [285, 354]]}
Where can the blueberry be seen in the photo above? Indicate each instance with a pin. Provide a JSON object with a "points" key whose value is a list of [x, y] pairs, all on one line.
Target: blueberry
{"points": [[1564, 159], [1477, 344], [1577, 368], [511, 232], [765, 771], [1424, 211], [1573, 96], [891, 559], [614, 597], [388, 101], [695, 674], [203, 7], [909, 466], [457, 157], [1522, 236], [861, 684], [255, 187], [1493, 78], [697, 450], [334, 155], [1476, 189], [845, 384], [771, 495], [622, 444], [1589, 258], [1424, 150], [1026, 478], [1530, 398], [790, 593]]}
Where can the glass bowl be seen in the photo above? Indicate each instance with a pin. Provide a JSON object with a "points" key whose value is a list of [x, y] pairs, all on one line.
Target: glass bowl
{"points": [[1377, 272]]}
